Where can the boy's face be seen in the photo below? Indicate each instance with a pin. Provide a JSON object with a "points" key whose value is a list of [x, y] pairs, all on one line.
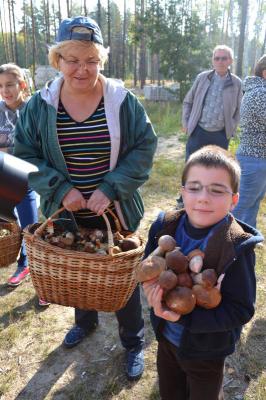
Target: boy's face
{"points": [[204, 208]]}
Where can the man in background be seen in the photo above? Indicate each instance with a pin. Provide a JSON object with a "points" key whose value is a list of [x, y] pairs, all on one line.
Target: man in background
{"points": [[211, 107]]}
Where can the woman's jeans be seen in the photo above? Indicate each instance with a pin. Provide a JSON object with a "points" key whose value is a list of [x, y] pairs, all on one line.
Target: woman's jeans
{"points": [[27, 214], [199, 138], [252, 188], [130, 322]]}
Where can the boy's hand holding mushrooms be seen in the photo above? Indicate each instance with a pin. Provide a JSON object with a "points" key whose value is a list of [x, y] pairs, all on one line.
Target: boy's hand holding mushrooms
{"points": [[177, 281]]}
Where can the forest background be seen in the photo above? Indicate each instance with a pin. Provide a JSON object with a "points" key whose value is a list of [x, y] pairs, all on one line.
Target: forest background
{"points": [[150, 41]]}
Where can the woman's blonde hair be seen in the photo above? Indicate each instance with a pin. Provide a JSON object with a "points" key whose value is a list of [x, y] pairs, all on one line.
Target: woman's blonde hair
{"points": [[96, 49], [15, 70]]}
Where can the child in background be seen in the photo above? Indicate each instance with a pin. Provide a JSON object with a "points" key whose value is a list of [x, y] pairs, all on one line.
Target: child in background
{"points": [[192, 348], [14, 94]]}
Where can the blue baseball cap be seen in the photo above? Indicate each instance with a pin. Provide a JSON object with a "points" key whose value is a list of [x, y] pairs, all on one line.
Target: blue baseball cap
{"points": [[66, 32]]}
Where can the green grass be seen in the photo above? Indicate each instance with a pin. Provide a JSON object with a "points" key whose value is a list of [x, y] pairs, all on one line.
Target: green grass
{"points": [[164, 178], [165, 116]]}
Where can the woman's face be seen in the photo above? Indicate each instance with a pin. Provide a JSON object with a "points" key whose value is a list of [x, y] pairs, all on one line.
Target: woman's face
{"points": [[11, 90], [80, 68]]}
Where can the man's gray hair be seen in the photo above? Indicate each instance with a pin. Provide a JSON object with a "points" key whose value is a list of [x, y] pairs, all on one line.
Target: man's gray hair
{"points": [[225, 48]]}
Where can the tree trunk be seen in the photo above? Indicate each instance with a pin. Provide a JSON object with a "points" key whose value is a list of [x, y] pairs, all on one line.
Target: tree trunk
{"points": [[25, 36], [244, 11], [15, 33], [59, 12], [124, 41], [227, 21], [157, 58], [11, 30], [8, 49], [33, 42], [85, 8], [99, 18], [3, 39], [206, 15], [142, 59], [135, 45], [68, 9], [54, 19], [48, 22], [109, 37]]}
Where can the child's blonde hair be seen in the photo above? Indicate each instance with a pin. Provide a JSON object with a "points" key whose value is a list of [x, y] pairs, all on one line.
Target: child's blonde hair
{"points": [[214, 157], [15, 70]]}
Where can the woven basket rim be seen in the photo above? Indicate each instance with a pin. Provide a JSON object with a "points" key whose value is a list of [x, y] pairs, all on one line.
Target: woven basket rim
{"points": [[80, 254], [12, 226]]}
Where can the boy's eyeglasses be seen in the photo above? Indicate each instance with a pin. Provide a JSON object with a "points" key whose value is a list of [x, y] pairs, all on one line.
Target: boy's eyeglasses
{"points": [[75, 64], [213, 189], [223, 58]]}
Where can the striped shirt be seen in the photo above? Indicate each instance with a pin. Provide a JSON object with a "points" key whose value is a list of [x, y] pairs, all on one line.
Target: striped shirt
{"points": [[86, 147]]}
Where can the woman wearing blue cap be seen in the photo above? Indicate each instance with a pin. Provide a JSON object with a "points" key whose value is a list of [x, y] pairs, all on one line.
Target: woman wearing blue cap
{"points": [[93, 144]]}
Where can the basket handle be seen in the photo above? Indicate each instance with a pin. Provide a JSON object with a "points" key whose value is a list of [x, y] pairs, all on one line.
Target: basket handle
{"points": [[110, 237]]}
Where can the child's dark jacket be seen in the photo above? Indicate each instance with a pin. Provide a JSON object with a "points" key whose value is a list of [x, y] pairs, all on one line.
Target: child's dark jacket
{"points": [[212, 334]]}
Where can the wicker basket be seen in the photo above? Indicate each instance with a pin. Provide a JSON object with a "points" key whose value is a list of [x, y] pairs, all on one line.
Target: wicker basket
{"points": [[9, 245], [78, 279]]}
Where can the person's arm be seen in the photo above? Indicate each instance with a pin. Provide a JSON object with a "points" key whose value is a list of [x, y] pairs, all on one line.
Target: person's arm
{"points": [[152, 289], [188, 104], [51, 184], [238, 291], [138, 148], [236, 116]]}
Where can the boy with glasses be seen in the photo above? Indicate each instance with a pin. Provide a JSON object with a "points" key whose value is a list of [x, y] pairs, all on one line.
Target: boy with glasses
{"points": [[211, 107], [192, 347]]}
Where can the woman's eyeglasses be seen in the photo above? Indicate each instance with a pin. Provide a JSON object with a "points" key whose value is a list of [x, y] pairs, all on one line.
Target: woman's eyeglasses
{"points": [[75, 64], [213, 189], [223, 58]]}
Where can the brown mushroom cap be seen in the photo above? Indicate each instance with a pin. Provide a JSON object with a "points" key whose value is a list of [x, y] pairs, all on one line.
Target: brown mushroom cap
{"points": [[209, 277], [130, 243], [181, 300], [176, 261], [166, 243], [168, 279], [207, 298], [150, 268], [184, 279], [206, 278]]}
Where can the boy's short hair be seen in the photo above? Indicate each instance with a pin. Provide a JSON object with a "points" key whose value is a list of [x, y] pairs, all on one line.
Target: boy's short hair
{"points": [[212, 156]]}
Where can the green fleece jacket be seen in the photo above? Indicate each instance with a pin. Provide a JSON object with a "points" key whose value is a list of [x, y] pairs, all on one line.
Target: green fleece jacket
{"points": [[133, 144]]}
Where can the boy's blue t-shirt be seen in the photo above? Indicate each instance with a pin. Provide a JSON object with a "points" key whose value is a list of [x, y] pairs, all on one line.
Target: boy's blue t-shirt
{"points": [[187, 238]]}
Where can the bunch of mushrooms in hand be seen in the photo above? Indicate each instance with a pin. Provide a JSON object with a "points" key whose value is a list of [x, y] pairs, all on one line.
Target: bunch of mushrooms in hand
{"points": [[184, 282]]}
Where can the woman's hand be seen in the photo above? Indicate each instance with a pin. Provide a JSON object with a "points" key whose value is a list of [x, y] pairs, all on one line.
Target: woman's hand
{"points": [[154, 294], [74, 201], [98, 202]]}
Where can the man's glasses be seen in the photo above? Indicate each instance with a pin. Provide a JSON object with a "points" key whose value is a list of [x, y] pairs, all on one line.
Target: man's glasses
{"points": [[75, 64], [222, 58], [213, 189]]}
